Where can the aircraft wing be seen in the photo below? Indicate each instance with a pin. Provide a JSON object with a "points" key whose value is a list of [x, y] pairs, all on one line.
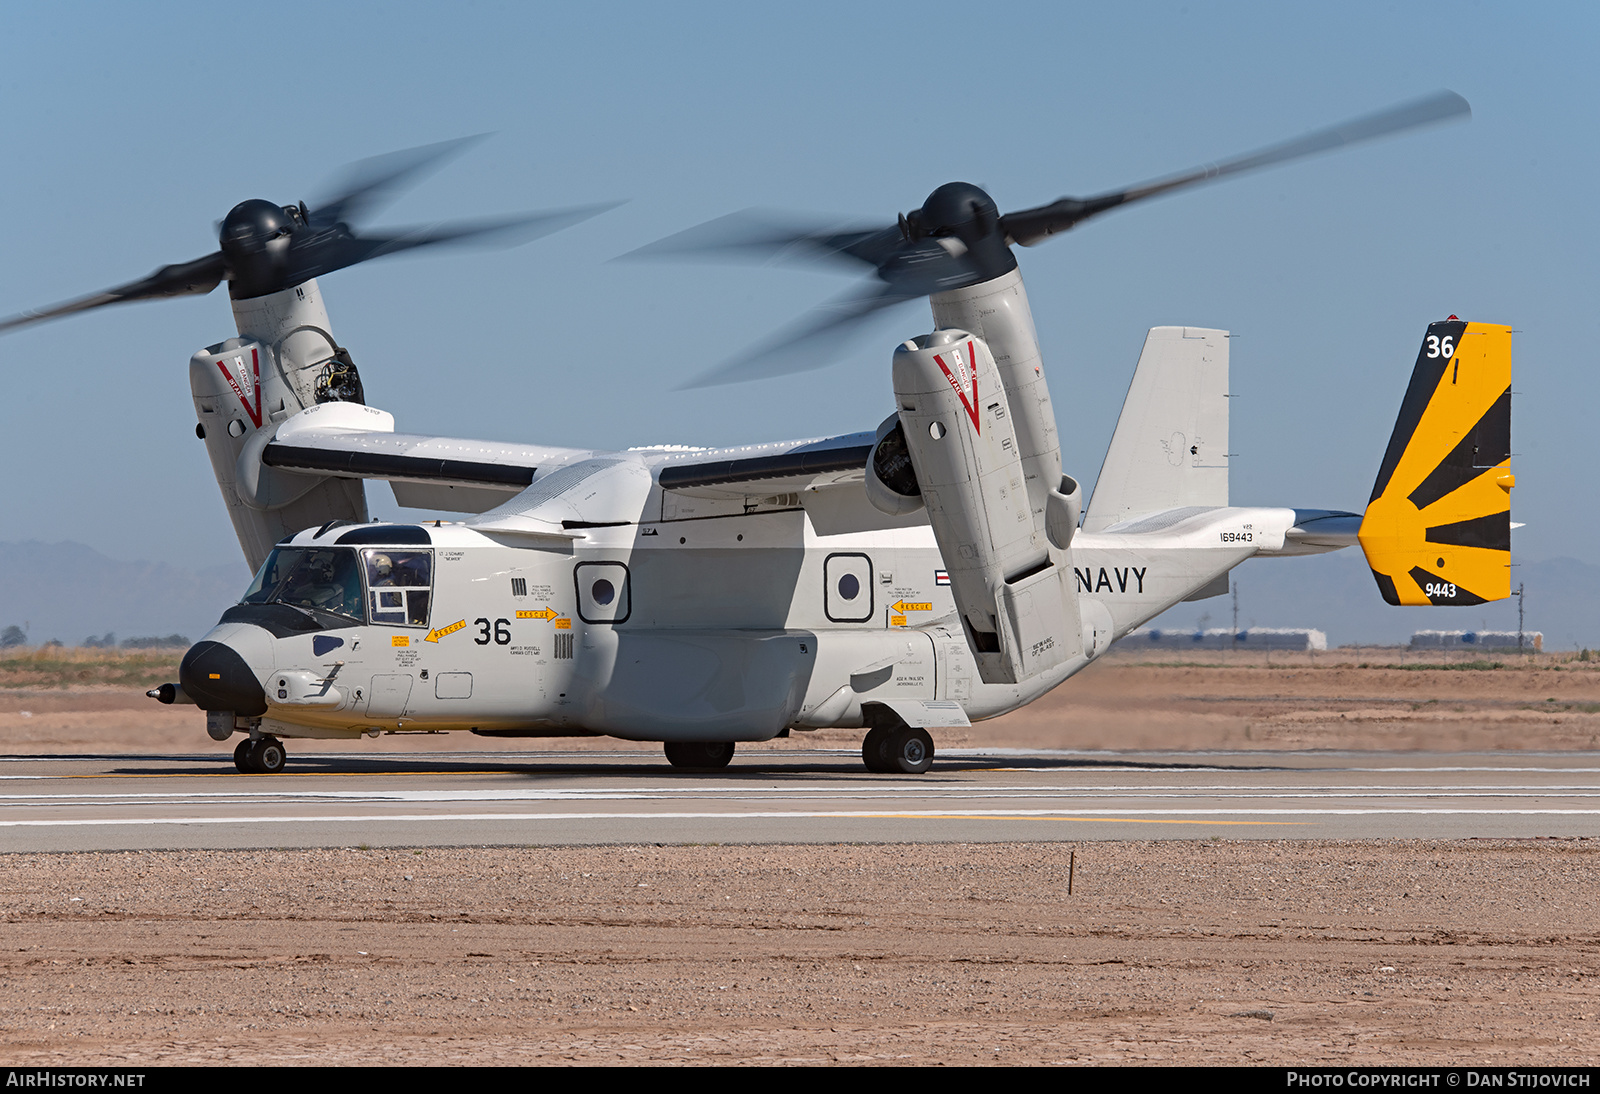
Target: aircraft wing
{"points": [[762, 470], [462, 475], [354, 441]]}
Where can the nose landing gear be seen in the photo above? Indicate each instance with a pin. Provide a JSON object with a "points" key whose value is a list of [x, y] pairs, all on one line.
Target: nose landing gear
{"points": [[262, 756]]}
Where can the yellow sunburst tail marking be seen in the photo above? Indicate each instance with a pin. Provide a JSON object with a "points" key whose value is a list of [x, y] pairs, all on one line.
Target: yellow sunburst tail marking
{"points": [[1438, 527]]}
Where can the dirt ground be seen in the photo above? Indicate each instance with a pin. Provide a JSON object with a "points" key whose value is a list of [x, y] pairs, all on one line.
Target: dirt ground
{"points": [[1165, 952], [1176, 952]]}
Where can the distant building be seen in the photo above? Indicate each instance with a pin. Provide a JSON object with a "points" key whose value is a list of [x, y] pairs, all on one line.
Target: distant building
{"points": [[1493, 640], [1221, 638]]}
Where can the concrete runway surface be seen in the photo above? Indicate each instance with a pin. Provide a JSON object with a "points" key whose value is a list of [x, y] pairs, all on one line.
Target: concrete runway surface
{"points": [[89, 802]]}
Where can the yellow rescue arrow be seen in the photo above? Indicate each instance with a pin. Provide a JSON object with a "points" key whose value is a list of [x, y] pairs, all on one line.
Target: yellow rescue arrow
{"points": [[434, 636], [907, 606], [543, 613]]}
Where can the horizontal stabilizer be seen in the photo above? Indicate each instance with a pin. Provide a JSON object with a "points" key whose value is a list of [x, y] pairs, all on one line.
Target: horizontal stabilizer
{"points": [[1438, 527]]}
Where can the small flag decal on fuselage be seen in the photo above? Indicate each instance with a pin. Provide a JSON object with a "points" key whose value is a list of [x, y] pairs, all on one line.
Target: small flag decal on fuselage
{"points": [[941, 577]]}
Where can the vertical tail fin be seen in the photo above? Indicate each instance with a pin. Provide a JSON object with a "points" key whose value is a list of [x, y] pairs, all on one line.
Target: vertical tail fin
{"points": [[1438, 527], [1171, 444]]}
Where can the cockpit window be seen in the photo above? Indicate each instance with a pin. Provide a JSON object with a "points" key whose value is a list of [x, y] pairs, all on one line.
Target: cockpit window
{"points": [[398, 585], [326, 579]]}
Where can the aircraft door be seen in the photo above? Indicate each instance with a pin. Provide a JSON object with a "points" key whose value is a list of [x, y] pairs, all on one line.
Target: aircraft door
{"points": [[847, 588]]}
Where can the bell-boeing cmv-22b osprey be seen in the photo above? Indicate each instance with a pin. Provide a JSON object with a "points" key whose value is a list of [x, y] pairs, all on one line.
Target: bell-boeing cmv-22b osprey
{"points": [[938, 570]]}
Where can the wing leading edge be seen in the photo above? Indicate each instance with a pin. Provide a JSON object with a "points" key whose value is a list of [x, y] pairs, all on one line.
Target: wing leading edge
{"points": [[783, 467]]}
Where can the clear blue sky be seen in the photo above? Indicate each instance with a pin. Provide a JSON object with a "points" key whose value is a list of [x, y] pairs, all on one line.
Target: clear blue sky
{"points": [[131, 129]]}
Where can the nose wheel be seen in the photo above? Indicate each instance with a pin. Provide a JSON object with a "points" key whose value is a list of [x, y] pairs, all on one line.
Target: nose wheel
{"points": [[262, 756]]}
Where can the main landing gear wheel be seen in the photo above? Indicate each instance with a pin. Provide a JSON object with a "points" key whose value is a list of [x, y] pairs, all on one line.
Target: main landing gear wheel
{"points": [[270, 755], [701, 754], [265, 756], [910, 751], [897, 750], [875, 749]]}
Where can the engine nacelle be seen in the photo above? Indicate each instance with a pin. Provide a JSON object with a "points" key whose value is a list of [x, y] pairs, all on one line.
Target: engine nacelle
{"points": [[892, 485], [1021, 618], [997, 311], [284, 361]]}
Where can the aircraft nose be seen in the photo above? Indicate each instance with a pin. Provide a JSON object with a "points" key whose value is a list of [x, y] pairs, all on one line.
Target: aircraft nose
{"points": [[217, 678]]}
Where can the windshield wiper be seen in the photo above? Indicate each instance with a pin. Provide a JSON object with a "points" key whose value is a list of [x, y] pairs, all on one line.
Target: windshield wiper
{"points": [[313, 614], [307, 612], [338, 615]]}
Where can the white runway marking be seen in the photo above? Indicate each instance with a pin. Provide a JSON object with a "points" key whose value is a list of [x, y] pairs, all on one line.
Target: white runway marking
{"points": [[857, 814], [898, 803]]}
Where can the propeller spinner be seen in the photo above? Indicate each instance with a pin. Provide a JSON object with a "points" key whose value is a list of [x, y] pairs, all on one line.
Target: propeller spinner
{"points": [[959, 238], [265, 248]]}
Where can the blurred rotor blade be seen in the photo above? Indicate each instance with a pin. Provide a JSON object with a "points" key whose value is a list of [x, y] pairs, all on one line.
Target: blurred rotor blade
{"points": [[315, 254], [812, 343], [930, 266], [183, 279], [912, 268], [371, 183], [1031, 226], [758, 236]]}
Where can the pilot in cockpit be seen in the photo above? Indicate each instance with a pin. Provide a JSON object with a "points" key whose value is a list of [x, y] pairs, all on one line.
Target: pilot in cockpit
{"points": [[326, 580], [380, 569], [397, 569]]}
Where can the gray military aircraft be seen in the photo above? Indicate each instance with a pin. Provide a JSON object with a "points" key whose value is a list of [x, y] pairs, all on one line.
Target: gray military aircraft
{"points": [[938, 570]]}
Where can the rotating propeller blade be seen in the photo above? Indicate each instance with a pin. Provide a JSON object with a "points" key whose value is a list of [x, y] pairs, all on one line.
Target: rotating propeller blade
{"points": [[1031, 226], [183, 279], [266, 247], [337, 247], [907, 272], [959, 238], [370, 183], [805, 345], [760, 236]]}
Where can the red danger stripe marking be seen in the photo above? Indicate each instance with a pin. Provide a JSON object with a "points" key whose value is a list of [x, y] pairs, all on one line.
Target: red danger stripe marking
{"points": [[972, 406], [254, 382]]}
